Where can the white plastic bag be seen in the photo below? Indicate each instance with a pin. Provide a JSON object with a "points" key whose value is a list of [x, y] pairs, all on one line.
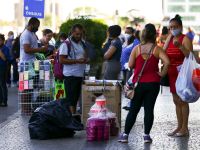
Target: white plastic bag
{"points": [[184, 85]]}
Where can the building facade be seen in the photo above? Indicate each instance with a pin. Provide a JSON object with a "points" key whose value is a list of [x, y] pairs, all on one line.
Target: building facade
{"points": [[189, 10]]}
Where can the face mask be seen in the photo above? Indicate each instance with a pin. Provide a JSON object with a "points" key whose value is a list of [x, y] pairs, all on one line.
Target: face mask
{"points": [[176, 32], [127, 36], [75, 40], [34, 29], [11, 37]]}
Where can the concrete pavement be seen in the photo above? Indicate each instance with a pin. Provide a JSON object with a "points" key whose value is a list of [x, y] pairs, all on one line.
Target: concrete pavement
{"points": [[14, 133]]}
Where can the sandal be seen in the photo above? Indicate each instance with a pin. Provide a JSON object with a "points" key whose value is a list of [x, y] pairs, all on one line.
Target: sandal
{"points": [[179, 134], [172, 133]]}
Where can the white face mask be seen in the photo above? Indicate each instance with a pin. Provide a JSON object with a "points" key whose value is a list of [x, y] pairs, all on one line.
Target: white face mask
{"points": [[127, 36], [176, 32], [11, 37]]}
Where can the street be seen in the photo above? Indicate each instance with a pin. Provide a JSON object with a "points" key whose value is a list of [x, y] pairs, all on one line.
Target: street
{"points": [[14, 133]]}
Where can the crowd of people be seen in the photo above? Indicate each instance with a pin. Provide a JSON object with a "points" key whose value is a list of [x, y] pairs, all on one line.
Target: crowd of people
{"points": [[127, 54]]}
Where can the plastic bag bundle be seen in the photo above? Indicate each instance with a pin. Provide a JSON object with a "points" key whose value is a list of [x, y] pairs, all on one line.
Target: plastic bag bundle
{"points": [[184, 85], [98, 110]]}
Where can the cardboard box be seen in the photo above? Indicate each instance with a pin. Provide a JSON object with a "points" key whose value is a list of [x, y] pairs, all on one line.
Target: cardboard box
{"points": [[112, 94]]}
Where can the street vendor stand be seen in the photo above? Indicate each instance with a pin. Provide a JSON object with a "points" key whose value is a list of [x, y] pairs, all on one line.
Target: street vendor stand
{"points": [[36, 85], [111, 89]]}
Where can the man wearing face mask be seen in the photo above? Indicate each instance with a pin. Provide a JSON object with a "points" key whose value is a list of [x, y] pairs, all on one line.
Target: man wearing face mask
{"points": [[74, 64], [9, 43], [28, 41], [178, 46]]}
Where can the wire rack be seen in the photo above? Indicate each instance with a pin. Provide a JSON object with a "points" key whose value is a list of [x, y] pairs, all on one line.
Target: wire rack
{"points": [[36, 85]]}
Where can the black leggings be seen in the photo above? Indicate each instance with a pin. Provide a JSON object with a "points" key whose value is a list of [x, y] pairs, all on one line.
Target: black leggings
{"points": [[144, 93]]}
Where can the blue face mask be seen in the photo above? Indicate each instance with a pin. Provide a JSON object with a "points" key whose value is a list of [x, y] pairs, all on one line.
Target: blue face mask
{"points": [[176, 32]]}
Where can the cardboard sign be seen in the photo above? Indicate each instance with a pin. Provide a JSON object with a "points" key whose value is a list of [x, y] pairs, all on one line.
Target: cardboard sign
{"points": [[25, 85], [41, 74], [21, 86], [36, 65], [47, 75], [46, 85], [25, 75], [30, 84], [21, 76]]}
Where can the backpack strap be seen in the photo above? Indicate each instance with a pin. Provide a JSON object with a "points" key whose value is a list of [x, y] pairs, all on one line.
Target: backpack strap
{"points": [[68, 43]]}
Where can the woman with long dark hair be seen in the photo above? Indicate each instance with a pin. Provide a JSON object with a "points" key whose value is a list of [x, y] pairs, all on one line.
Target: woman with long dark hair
{"points": [[148, 86]]}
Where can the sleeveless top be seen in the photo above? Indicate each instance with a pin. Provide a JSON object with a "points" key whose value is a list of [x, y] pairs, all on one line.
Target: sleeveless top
{"points": [[175, 55], [150, 72]]}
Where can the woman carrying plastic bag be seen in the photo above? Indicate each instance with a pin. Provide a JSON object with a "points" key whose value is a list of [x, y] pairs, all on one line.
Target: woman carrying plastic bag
{"points": [[184, 85]]}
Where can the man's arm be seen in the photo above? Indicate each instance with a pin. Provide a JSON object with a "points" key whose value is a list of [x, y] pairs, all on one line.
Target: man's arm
{"points": [[28, 49]]}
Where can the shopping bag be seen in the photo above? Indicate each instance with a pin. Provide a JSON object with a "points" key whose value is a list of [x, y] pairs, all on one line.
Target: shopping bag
{"points": [[196, 78], [59, 89], [184, 85]]}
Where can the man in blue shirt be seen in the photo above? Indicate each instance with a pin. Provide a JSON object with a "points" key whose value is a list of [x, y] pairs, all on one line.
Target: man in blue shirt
{"points": [[126, 51], [9, 43]]}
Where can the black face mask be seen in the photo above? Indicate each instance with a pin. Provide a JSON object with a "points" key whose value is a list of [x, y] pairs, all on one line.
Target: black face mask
{"points": [[34, 29], [75, 40]]}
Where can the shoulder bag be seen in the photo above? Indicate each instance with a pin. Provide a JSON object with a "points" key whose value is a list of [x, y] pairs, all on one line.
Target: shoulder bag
{"points": [[130, 91]]}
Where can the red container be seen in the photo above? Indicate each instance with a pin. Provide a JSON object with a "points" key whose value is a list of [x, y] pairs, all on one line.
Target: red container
{"points": [[97, 129], [91, 133], [101, 102]]}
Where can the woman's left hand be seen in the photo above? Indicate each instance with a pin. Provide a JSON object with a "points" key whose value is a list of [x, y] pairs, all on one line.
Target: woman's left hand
{"points": [[176, 42]]}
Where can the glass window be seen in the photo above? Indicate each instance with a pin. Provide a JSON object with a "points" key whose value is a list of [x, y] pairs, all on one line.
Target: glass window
{"points": [[188, 18], [176, 0], [194, 8], [176, 8], [194, 0]]}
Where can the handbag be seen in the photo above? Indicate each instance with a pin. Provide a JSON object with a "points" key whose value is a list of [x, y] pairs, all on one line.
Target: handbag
{"points": [[164, 81], [129, 90]]}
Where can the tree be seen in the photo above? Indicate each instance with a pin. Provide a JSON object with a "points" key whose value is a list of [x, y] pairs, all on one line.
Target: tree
{"points": [[95, 33]]}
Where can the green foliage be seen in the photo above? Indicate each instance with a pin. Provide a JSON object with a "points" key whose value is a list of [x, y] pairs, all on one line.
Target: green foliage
{"points": [[47, 20], [124, 21], [95, 30]]}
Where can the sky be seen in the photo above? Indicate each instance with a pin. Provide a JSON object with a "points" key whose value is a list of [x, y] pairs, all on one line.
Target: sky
{"points": [[152, 9]]}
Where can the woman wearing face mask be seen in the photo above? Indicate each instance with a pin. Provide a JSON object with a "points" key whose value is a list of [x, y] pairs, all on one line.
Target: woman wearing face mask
{"points": [[178, 46]]}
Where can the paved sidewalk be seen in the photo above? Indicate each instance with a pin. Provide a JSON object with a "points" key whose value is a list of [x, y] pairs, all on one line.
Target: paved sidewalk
{"points": [[14, 133]]}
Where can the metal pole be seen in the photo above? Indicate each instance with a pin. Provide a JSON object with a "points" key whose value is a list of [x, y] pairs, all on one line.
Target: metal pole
{"points": [[53, 15]]}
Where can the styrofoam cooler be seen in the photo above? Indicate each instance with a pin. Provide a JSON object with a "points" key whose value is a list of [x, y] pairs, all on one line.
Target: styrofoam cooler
{"points": [[98, 129]]}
